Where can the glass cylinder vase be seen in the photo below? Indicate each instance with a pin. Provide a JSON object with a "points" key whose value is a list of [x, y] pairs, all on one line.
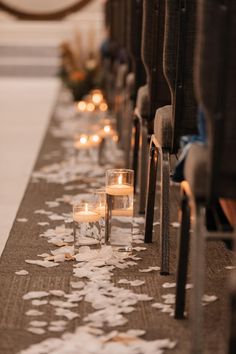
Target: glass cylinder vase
{"points": [[86, 222], [119, 210], [87, 147], [99, 196]]}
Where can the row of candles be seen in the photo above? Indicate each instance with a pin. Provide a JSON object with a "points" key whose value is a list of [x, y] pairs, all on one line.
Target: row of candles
{"points": [[94, 221], [108, 218], [86, 141], [94, 102]]}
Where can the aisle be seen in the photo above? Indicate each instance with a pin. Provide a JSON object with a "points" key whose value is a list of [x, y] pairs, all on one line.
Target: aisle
{"points": [[25, 108], [107, 303], [43, 222]]}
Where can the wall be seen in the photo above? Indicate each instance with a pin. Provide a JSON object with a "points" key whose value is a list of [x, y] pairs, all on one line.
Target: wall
{"points": [[87, 25]]}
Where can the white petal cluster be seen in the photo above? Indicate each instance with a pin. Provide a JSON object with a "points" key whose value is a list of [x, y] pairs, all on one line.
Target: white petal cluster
{"points": [[87, 340]]}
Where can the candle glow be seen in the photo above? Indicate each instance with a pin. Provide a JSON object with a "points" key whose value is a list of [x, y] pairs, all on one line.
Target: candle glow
{"points": [[97, 98], [83, 139], [82, 143], [107, 129], [103, 107], [119, 186], [86, 141], [90, 107], [86, 215], [95, 138], [81, 106]]}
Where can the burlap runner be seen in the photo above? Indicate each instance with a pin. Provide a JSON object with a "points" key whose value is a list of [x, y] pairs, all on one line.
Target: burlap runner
{"points": [[24, 243]]}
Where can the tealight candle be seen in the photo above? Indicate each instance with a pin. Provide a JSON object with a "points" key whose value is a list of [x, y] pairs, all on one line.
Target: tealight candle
{"points": [[107, 129], [119, 193], [86, 215], [87, 230], [83, 142], [103, 107], [83, 139], [90, 107], [119, 188], [97, 98], [95, 139], [81, 106], [86, 141]]}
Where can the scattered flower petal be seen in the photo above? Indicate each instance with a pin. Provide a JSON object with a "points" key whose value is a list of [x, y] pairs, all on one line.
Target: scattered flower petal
{"points": [[36, 330], [58, 293], [138, 248], [22, 272], [209, 298], [175, 224], [66, 313], [230, 267], [45, 263], [38, 323], [34, 313], [169, 285], [39, 302], [35, 295], [22, 219], [149, 269]]}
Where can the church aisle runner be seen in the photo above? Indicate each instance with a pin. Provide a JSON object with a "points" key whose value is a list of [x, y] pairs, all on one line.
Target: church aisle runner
{"points": [[57, 180]]}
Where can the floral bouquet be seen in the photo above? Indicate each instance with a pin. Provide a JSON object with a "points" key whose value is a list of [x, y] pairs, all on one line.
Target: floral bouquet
{"points": [[80, 79]]}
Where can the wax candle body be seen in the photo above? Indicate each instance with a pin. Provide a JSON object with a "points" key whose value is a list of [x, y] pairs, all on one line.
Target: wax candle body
{"points": [[122, 212], [119, 189], [86, 216]]}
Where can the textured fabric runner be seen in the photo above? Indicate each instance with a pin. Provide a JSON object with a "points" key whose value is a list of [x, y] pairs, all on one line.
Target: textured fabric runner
{"points": [[24, 243]]}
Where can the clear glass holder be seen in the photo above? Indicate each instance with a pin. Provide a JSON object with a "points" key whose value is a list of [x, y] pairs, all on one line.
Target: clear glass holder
{"points": [[119, 209], [99, 196], [86, 226]]}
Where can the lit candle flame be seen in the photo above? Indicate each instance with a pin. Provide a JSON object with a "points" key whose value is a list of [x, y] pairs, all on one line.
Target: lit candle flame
{"points": [[90, 107], [95, 138], [107, 128], [83, 139], [103, 107], [97, 98], [81, 106], [86, 207], [120, 179]]}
